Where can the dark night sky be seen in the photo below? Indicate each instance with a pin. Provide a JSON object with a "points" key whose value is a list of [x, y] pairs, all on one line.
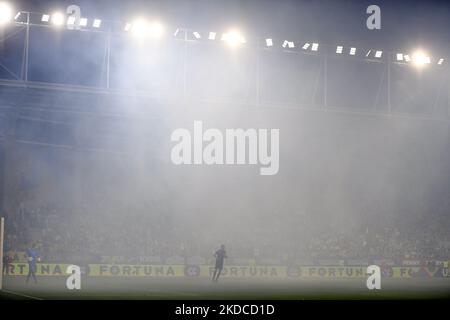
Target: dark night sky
{"points": [[406, 24]]}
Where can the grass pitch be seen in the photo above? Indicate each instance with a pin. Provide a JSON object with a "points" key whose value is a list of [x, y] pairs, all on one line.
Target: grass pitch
{"points": [[228, 288]]}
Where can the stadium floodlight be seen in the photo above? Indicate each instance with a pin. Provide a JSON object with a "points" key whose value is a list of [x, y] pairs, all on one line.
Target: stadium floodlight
{"points": [[83, 22], [57, 19], [399, 57], [269, 42], [315, 47], [339, 49], [45, 18], [212, 36], [407, 58], [378, 54], [306, 46], [139, 28], [352, 51], [17, 16], [289, 44], [197, 35], [97, 23], [155, 30], [6, 13], [419, 59], [233, 38], [441, 61]]}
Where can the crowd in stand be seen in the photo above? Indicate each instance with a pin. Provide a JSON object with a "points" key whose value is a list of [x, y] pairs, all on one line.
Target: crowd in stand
{"points": [[63, 234]]}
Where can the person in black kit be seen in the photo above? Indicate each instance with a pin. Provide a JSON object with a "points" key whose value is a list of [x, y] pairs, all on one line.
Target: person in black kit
{"points": [[220, 255], [6, 264]]}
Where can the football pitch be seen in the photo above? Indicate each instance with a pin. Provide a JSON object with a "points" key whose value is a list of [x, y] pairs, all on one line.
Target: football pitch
{"points": [[228, 288]]}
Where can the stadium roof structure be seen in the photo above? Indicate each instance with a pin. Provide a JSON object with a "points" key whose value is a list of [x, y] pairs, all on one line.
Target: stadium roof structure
{"points": [[28, 47]]}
